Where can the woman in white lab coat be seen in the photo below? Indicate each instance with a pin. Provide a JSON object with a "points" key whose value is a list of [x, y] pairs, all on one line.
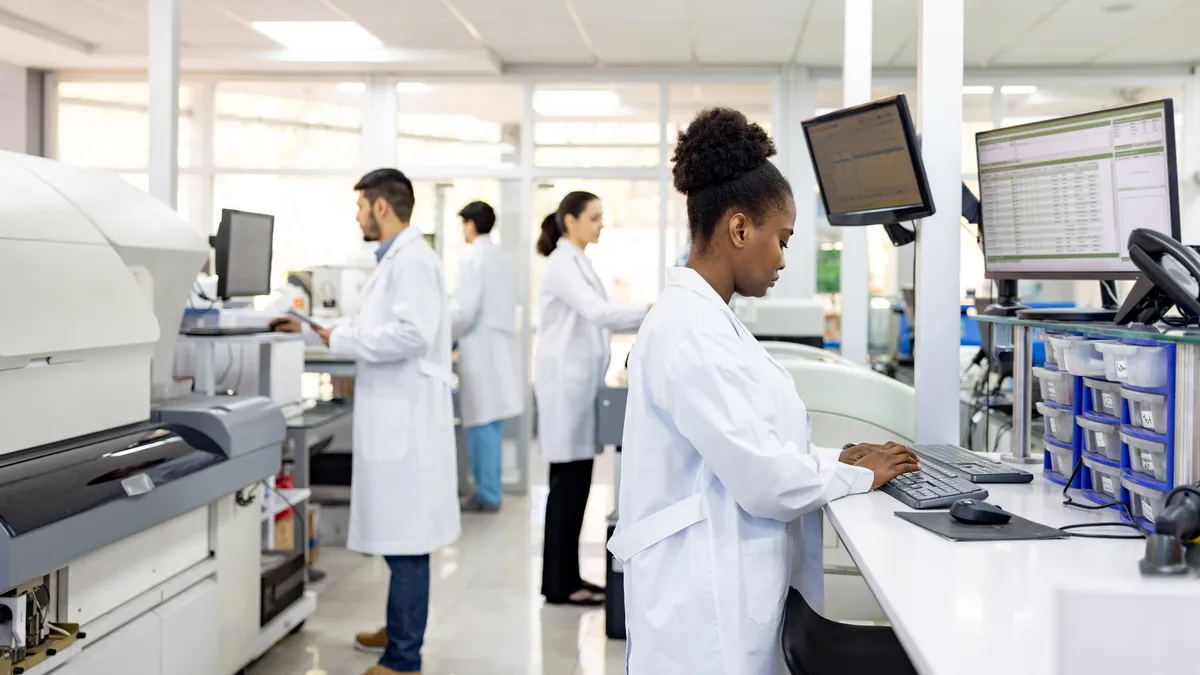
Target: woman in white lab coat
{"points": [[577, 321], [717, 469]]}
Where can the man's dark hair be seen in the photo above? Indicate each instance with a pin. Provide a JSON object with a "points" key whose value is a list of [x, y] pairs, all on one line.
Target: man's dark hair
{"points": [[393, 186], [480, 213]]}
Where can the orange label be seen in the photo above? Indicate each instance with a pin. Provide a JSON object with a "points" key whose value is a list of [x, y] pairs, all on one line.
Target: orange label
{"points": [[298, 302]]}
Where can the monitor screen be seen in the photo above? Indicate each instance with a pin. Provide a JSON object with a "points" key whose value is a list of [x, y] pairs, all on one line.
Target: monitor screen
{"points": [[868, 165], [1060, 197], [244, 248]]}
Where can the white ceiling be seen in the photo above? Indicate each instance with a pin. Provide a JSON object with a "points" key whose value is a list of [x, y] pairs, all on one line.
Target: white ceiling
{"points": [[488, 35]]}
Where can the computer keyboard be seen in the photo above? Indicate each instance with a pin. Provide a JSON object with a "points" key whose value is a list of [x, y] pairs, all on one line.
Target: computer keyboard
{"points": [[932, 488], [223, 331], [969, 464]]}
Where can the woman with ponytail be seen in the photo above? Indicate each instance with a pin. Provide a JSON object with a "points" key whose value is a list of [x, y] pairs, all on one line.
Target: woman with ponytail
{"points": [[577, 322]]}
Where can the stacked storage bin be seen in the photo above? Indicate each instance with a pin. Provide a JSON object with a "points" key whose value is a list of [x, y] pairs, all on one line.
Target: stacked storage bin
{"points": [[1146, 371], [1061, 400]]}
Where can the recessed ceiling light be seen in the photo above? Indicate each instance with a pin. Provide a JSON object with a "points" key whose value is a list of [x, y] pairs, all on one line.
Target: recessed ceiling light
{"points": [[575, 103], [318, 35], [978, 89], [1018, 89], [353, 87], [411, 87]]}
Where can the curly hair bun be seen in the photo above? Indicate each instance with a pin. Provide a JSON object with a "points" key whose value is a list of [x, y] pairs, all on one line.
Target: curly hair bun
{"points": [[719, 145]]}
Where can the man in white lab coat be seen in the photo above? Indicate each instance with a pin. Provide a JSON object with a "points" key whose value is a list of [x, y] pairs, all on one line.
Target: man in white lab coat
{"points": [[404, 492], [484, 315]]}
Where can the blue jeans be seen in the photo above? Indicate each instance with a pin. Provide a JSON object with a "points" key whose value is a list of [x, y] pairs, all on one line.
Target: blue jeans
{"points": [[407, 612], [485, 444]]}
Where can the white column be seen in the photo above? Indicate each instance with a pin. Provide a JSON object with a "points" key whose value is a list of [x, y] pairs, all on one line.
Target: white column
{"points": [[14, 108], [664, 180], [939, 84], [796, 101], [1187, 161], [163, 77], [524, 276], [204, 127], [380, 126], [856, 89]]}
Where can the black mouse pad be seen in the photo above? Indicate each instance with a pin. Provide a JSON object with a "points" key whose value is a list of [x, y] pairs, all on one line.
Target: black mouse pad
{"points": [[1017, 529]]}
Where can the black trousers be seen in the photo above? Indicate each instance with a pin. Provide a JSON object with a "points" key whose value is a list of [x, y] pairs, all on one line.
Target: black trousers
{"points": [[570, 484]]}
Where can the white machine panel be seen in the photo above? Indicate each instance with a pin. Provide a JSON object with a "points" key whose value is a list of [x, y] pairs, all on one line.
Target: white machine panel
{"points": [[190, 626], [135, 649], [100, 581]]}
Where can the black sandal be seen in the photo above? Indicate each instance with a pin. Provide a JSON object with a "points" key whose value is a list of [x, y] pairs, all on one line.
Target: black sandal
{"points": [[587, 585], [593, 600]]}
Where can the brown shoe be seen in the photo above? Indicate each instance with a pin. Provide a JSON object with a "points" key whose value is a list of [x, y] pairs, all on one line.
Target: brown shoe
{"points": [[384, 670], [372, 643]]}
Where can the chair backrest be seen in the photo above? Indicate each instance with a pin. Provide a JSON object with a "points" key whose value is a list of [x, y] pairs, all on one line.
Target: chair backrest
{"points": [[814, 645]]}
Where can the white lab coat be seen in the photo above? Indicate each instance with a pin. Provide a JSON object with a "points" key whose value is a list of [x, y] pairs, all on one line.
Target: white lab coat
{"points": [[573, 350], [404, 488], [720, 492], [484, 312]]}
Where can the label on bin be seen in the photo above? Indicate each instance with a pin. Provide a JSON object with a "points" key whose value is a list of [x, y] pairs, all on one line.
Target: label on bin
{"points": [[1101, 441], [1106, 485], [1147, 418], [1147, 510], [1107, 399], [1053, 425], [1147, 462], [1050, 388], [1122, 368]]}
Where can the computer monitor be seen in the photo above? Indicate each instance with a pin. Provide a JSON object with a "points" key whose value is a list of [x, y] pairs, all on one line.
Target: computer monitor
{"points": [[1060, 197], [868, 164], [244, 246]]}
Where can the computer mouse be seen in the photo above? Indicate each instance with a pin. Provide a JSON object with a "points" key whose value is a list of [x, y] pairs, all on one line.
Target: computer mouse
{"points": [[976, 512]]}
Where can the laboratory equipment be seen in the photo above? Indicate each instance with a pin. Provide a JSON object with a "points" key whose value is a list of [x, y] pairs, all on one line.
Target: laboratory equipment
{"points": [[243, 244], [932, 488], [969, 465], [119, 496], [1060, 198], [869, 167], [1172, 549], [792, 320]]}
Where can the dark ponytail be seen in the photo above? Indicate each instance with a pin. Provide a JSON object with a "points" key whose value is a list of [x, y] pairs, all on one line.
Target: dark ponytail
{"points": [[555, 224], [548, 240]]}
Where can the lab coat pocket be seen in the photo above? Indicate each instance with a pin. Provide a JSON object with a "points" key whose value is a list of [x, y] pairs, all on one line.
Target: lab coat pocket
{"points": [[765, 578]]}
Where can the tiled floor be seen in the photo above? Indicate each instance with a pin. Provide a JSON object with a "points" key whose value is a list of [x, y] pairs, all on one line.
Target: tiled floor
{"points": [[486, 615]]}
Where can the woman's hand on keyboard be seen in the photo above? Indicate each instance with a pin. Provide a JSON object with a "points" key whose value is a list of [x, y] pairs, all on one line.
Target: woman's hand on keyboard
{"points": [[891, 461]]}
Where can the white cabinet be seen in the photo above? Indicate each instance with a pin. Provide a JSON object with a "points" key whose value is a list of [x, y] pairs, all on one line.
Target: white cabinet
{"points": [[134, 649], [190, 625]]}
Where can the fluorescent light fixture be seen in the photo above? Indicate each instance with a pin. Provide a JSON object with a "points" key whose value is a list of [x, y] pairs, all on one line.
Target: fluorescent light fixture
{"points": [[978, 89], [318, 35], [575, 103], [353, 87], [411, 87], [1018, 89]]}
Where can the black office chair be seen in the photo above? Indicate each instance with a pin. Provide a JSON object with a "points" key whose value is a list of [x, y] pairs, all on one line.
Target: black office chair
{"points": [[814, 645]]}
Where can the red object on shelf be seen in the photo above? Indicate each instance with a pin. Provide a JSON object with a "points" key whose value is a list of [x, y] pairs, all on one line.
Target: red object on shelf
{"points": [[284, 482]]}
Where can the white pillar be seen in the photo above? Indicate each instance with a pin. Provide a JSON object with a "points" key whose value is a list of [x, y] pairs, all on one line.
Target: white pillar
{"points": [[204, 128], [856, 89], [665, 185], [163, 77], [15, 104], [939, 84], [1188, 161], [796, 101], [380, 126]]}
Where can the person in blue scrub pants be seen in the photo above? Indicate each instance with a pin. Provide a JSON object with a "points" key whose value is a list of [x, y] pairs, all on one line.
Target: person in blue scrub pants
{"points": [[484, 320]]}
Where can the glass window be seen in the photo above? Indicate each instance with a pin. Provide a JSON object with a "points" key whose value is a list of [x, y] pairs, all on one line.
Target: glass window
{"points": [[477, 125], [314, 218], [436, 213], [685, 100], [287, 125], [596, 125], [107, 125]]}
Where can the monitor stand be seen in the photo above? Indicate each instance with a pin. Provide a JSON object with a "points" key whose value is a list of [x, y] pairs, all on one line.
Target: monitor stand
{"points": [[1106, 314], [1008, 302]]}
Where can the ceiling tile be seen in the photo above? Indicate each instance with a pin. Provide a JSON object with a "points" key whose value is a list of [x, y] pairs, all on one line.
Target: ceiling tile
{"points": [[415, 36], [273, 10], [744, 44], [774, 12], [631, 11], [508, 11]]}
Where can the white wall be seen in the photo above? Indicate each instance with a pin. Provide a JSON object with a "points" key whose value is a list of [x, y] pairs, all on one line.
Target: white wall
{"points": [[20, 109]]}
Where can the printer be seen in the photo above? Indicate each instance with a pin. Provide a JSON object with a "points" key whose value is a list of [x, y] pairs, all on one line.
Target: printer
{"points": [[118, 515]]}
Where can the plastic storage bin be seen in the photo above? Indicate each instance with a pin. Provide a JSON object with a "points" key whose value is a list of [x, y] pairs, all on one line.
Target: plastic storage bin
{"points": [[1105, 479], [1144, 502], [1056, 386], [1135, 365], [1060, 423], [1147, 410], [1101, 438], [1106, 396], [1056, 345], [1062, 460], [1078, 356], [1147, 457]]}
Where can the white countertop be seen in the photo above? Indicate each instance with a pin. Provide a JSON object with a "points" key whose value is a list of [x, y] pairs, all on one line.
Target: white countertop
{"points": [[985, 608]]}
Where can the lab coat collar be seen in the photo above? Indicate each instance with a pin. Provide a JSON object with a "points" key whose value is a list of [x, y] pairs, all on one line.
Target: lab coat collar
{"points": [[585, 264], [690, 279], [399, 241]]}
